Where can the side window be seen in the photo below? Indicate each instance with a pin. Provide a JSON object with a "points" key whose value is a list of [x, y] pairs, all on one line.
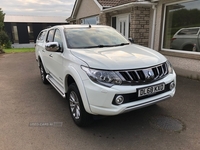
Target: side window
{"points": [[50, 36], [58, 38], [188, 31], [41, 35]]}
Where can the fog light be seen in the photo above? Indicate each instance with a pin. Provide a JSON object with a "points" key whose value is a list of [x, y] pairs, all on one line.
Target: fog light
{"points": [[172, 85], [119, 99]]}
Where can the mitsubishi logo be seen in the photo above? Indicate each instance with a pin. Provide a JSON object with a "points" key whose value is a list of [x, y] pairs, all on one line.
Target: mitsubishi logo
{"points": [[148, 74]]}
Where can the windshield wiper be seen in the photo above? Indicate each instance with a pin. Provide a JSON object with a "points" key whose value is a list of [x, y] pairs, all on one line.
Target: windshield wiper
{"points": [[101, 46], [122, 44], [98, 46]]}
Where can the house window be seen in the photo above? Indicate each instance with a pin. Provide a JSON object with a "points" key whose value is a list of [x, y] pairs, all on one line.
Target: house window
{"points": [[90, 20], [15, 33], [114, 22], [30, 33], [182, 27]]}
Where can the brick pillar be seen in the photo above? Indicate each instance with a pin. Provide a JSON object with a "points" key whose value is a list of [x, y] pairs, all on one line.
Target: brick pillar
{"points": [[105, 19], [139, 28]]}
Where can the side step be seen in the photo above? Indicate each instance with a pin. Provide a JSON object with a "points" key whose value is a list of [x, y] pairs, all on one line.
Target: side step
{"points": [[56, 85]]}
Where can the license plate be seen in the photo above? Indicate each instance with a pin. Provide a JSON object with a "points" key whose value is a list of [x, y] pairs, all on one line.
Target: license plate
{"points": [[151, 90]]}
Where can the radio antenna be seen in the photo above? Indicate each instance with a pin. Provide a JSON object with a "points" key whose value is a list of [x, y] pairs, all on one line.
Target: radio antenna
{"points": [[89, 24]]}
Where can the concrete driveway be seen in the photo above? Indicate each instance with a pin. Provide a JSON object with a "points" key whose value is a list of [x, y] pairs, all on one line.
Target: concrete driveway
{"points": [[34, 116]]}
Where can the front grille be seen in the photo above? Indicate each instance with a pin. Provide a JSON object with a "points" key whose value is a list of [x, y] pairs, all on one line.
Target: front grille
{"points": [[144, 75]]}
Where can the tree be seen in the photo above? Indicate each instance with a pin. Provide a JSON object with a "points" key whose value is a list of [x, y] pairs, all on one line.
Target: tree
{"points": [[4, 39], [1, 20]]}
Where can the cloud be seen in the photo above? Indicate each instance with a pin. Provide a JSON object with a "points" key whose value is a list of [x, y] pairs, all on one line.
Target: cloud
{"points": [[38, 7]]}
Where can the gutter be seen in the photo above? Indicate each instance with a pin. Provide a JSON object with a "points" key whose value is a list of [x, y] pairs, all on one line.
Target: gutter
{"points": [[153, 25], [135, 4]]}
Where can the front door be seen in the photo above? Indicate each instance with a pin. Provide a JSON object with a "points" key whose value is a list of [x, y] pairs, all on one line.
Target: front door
{"points": [[123, 25], [56, 58]]}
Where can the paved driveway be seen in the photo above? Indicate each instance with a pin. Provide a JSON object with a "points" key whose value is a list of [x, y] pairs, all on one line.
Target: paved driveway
{"points": [[34, 116]]}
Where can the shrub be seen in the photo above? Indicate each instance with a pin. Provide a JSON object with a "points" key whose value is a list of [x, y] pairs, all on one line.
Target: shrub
{"points": [[4, 40]]}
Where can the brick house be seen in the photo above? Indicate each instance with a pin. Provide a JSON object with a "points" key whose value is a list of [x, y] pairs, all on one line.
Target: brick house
{"points": [[130, 17], [151, 23]]}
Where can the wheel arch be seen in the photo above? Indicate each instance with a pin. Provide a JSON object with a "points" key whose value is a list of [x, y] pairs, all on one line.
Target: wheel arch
{"points": [[186, 45], [74, 77], [40, 59]]}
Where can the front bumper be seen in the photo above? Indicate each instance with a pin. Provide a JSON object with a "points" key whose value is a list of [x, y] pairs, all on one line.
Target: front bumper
{"points": [[101, 98]]}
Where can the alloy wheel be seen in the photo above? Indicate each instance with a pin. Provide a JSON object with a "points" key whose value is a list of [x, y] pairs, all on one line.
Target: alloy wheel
{"points": [[74, 105], [42, 73]]}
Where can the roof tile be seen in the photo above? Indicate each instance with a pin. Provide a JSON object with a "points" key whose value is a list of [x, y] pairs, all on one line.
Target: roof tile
{"points": [[121, 2], [110, 3], [113, 3]]}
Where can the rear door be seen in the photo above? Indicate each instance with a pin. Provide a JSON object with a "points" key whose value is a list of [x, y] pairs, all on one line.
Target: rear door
{"points": [[39, 47]]}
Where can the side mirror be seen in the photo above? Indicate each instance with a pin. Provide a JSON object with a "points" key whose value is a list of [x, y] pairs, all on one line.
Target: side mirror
{"points": [[131, 40], [52, 46]]}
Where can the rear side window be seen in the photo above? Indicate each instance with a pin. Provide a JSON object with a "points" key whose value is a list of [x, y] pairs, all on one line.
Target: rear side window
{"points": [[41, 35], [50, 36], [188, 31]]}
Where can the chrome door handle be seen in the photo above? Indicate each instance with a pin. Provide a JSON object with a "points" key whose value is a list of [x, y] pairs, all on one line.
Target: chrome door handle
{"points": [[51, 55]]}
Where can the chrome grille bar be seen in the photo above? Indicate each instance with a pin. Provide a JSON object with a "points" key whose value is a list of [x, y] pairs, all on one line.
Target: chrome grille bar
{"points": [[129, 75], [141, 76]]}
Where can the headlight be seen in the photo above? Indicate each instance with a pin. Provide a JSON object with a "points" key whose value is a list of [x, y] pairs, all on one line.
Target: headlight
{"points": [[170, 68], [106, 78]]}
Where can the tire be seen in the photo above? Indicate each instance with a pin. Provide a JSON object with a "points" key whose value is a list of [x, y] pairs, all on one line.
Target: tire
{"points": [[188, 47], [43, 74], [80, 117]]}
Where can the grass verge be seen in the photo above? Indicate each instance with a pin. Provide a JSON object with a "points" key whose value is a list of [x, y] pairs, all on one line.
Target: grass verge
{"points": [[19, 50]]}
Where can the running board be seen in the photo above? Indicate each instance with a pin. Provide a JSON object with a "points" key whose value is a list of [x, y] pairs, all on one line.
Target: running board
{"points": [[56, 85]]}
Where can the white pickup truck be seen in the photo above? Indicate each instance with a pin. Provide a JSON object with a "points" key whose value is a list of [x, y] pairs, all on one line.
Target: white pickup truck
{"points": [[100, 72], [187, 39]]}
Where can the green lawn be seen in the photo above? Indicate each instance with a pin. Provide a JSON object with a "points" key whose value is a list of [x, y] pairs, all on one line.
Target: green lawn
{"points": [[19, 50]]}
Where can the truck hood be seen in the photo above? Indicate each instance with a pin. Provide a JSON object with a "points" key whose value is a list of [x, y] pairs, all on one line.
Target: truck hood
{"points": [[119, 58]]}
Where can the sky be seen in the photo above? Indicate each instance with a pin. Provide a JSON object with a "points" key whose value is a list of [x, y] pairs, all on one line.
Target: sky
{"points": [[37, 7]]}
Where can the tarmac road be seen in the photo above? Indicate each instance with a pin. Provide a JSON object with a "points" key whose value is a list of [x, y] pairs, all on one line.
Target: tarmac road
{"points": [[34, 116]]}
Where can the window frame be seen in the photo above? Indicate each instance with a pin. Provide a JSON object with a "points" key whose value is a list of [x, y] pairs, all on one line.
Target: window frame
{"points": [[163, 30]]}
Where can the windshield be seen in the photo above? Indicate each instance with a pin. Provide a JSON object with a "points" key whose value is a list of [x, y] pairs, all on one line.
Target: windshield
{"points": [[94, 37]]}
